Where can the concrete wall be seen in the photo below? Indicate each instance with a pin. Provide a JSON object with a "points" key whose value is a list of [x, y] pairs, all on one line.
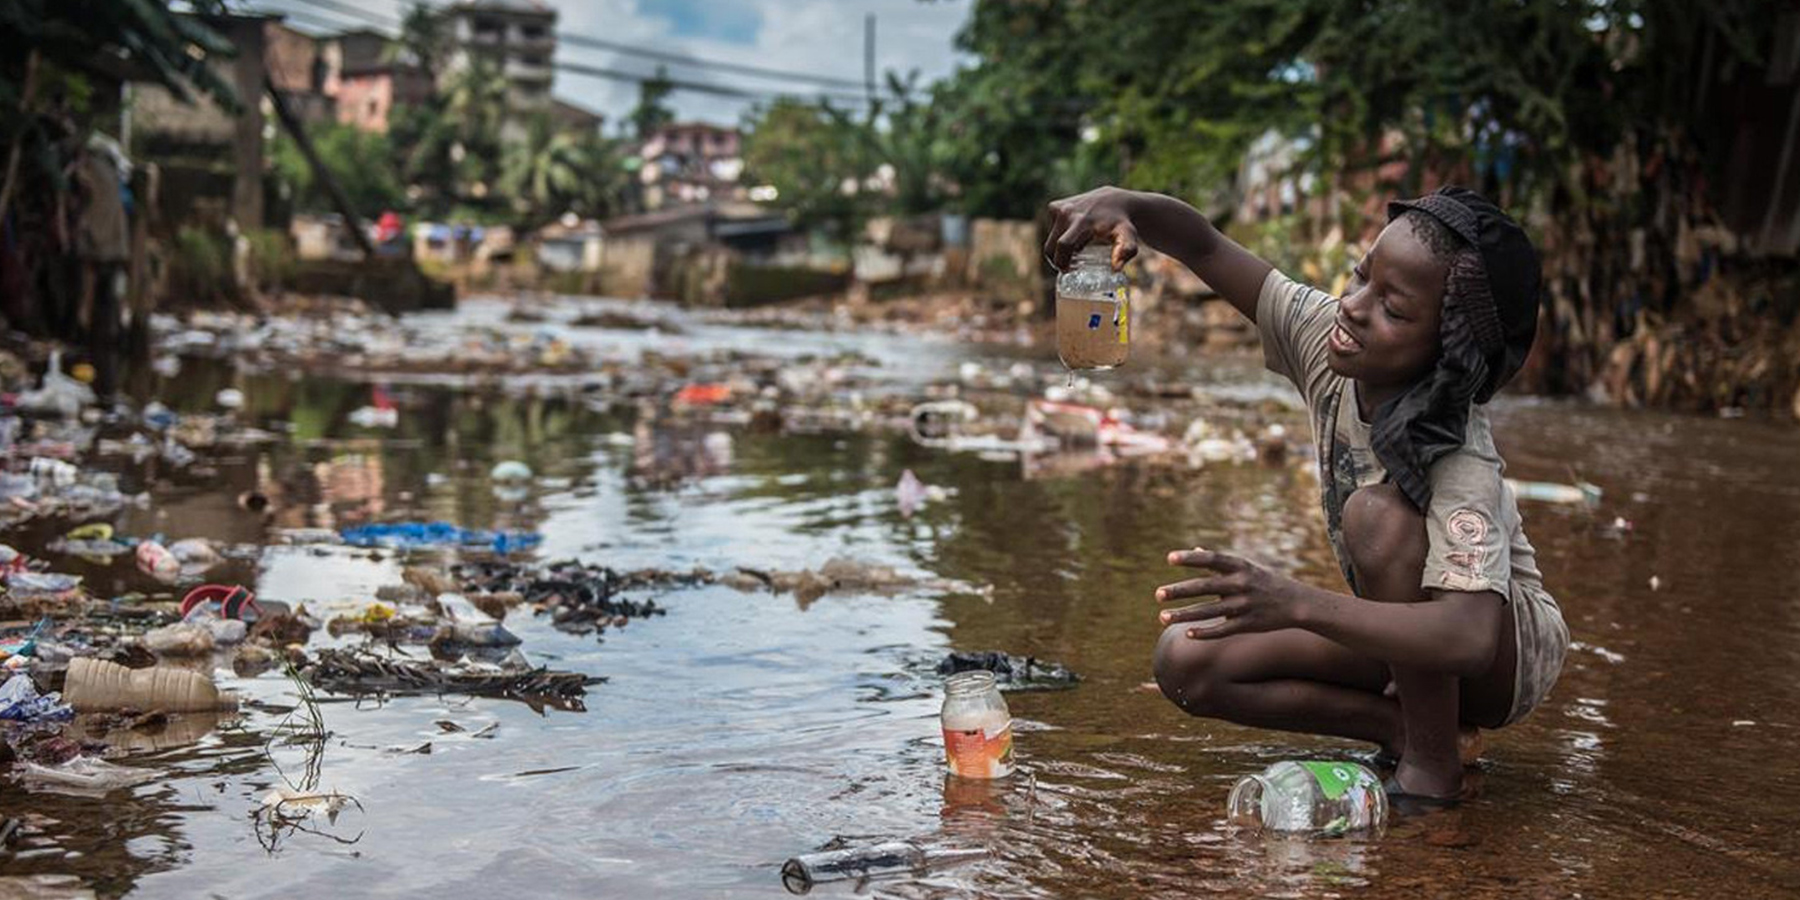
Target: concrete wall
{"points": [[1004, 253]]}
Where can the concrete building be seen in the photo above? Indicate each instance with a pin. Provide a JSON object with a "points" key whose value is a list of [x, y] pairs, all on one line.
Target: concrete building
{"points": [[518, 38], [691, 162], [368, 79]]}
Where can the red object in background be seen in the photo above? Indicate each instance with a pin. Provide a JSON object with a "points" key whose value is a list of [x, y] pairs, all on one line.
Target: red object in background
{"points": [[379, 398], [703, 394], [388, 227]]}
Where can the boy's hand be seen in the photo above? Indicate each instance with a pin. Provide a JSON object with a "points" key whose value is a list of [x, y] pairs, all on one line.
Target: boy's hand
{"points": [[1100, 214], [1251, 598]]}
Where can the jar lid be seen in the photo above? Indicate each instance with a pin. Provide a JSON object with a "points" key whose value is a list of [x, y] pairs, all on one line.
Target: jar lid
{"points": [[1095, 252]]}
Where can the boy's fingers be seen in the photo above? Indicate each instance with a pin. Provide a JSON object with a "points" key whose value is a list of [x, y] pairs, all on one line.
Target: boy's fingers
{"points": [[1204, 610], [1125, 244], [1079, 232], [1221, 610], [1195, 587], [1206, 559]]}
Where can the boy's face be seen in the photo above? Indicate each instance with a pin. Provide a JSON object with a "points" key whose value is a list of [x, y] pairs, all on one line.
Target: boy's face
{"points": [[1387, 328]]}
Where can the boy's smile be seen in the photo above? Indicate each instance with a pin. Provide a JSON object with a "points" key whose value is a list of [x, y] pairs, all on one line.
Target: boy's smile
{"points": [[1386, 334]]}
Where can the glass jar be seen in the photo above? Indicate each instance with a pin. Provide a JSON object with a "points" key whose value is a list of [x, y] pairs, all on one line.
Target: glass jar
{"points": [[1092, 311], [977, 727]]}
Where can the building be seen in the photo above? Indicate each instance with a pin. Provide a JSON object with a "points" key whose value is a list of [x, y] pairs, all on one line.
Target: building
{"points": [[516, 37], [691, 162], [573, 119], [368, 79], [211, 159], [297, 70]]}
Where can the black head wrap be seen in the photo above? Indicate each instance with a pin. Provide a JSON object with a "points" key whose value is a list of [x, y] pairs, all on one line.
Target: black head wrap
{"points": [[1489, 321]]}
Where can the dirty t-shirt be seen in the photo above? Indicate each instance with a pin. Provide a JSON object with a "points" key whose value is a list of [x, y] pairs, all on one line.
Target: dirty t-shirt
{"points": [[1476, 539]]}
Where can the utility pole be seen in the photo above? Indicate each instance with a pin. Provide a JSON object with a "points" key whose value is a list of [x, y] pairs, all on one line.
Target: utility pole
{"points": [[869, 56], [292, 123]]}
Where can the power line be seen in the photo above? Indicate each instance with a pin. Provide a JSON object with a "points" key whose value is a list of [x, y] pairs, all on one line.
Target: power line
{"points": [[591, 42], [573, 68]]}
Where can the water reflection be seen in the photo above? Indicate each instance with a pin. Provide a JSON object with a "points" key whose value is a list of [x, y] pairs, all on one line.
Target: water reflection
{"points": [[744, 727]]}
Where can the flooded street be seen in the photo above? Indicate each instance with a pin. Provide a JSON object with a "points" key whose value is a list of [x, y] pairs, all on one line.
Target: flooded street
{"points": [[745, 727]]}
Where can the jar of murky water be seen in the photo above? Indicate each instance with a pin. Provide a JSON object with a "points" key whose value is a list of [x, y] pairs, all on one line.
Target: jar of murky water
{"points": [[977, 727], [1092, 312]]}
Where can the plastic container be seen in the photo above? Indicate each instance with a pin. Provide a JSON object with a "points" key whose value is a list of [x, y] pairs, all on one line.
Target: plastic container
{"points": [[1327, 798], [977, 727], [94, 685], [888, 860], [1093, 328]]}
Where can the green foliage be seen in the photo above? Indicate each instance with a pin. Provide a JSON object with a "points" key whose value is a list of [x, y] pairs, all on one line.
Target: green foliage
{"points": [[817, 158], [272, 259], [454, 143], [199, 271], [552, 172], [425, 39], [361, 161], [178, 51]]}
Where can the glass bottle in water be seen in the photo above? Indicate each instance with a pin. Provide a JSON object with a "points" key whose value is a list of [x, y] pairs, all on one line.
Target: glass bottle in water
{"points": [[1093, 311], [1327, 798], [977, 727]]}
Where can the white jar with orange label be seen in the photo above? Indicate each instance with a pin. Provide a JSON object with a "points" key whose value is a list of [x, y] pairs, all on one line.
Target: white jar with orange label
{"points": [[977, 727]]}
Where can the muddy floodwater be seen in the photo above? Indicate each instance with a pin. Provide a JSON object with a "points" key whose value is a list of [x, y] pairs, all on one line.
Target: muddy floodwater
{"points": [[745, 727]]}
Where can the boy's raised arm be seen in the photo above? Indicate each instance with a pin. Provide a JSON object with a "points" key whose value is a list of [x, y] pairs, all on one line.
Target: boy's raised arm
{"points": [[1165, 223]]}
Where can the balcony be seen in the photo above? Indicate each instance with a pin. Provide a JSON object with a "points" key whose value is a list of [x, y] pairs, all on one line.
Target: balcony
{"points": [[527, 70]]}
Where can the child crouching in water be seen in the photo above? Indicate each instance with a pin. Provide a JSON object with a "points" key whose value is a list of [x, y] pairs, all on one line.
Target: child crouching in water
{"points": [[1447, 627]]}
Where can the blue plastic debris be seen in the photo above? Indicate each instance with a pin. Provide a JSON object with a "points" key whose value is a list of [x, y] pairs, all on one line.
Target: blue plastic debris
{"points": [[411, 535], [20, 702]]}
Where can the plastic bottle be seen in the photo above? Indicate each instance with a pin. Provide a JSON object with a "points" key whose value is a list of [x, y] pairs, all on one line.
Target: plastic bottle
{"points": [[1092, 312], [890, 859], [1312, 796], [977, 727], [96, 685]]}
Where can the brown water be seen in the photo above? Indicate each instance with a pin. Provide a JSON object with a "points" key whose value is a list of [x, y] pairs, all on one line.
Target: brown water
{"points": [[1089, 333], [744, 728]]}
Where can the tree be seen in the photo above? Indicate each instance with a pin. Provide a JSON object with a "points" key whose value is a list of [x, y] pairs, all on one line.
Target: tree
{"points": [[553, 172], [817, 158], [652, 111], [424, 39], [455, 143], [361, 161]]}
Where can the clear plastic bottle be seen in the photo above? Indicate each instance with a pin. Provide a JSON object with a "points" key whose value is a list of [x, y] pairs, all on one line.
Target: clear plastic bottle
{"points": [[1092, 312], [1319, 797], [977, 727]]}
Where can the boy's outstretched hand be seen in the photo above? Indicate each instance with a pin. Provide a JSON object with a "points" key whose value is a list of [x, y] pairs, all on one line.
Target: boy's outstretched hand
{"points": [[1100, 214], [1251, 598]]}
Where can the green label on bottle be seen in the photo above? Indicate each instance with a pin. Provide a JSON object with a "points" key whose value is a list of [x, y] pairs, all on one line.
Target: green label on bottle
{"points": [[1335, 778]]}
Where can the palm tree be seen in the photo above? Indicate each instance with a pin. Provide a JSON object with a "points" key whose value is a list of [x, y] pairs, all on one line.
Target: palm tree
{"points": [[424, 39], [552, 172]]}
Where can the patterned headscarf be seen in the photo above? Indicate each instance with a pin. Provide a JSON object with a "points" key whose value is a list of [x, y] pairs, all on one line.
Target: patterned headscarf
{"points": [[1489, 321]]}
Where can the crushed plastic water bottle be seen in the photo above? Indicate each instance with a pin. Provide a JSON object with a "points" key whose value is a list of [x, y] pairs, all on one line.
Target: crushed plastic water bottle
{"points": [[1318, 797]]}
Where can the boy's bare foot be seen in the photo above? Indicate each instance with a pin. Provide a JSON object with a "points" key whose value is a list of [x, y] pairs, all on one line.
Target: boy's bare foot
{"points": [[1426, 782]]}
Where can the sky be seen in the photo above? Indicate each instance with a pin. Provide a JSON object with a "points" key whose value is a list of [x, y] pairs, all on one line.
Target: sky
{"points": [[820, 37]]}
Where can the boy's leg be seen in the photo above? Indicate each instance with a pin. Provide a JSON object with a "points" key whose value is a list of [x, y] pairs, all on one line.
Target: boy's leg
{"points": [[1386, 540], [1289, 680]]}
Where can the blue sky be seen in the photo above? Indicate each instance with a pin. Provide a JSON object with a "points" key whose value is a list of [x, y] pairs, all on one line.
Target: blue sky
{"points": [[725, 21]]}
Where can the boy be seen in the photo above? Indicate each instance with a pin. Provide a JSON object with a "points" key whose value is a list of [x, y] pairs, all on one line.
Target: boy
{"points": [[1448, 625]]}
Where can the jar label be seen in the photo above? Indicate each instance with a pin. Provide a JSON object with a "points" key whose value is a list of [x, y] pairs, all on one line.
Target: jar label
{"points": [[977, 753], [1336, 778], [1124, 316]]}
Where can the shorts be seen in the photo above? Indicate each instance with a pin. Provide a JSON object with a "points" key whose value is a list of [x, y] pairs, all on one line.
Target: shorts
{"points": [[1543, 643]]}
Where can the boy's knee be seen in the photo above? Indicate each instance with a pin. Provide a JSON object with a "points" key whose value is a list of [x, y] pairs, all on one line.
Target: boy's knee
{"points": [[1384, 535], [1186, 669]]}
